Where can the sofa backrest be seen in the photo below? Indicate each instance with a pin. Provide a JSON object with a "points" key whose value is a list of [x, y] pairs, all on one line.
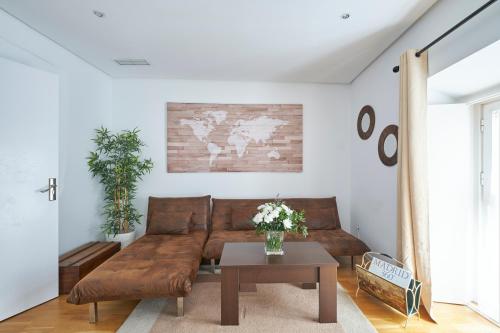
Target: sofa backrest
{"points": [[199, 206], [222, 208]]}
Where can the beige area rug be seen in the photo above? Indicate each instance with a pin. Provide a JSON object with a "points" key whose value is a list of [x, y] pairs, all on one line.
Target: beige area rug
{"points": [[273, 308]]}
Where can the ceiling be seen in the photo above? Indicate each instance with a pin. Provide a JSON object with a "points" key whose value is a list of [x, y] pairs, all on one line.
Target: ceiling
{"points": [[243, 40], [477, 73]]}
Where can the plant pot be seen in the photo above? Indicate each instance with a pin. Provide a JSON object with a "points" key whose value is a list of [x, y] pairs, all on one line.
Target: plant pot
{"points": [[274, 243], [124, 239]]}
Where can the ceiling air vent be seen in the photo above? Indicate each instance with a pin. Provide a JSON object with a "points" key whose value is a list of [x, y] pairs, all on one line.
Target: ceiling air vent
{"points": [[132, 62]]}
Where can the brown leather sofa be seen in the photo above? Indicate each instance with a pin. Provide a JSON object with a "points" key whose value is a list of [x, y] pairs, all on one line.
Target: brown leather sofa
{"points": [[155, 265], [322, 219], [165, 261]]}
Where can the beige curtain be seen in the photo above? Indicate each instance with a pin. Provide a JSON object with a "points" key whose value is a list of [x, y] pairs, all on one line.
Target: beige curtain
{"points": [[413, 212]]}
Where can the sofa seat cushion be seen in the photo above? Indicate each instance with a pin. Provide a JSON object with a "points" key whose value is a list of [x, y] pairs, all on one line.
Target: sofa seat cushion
{"points": [[337, 242], [152, 266], [217, 238]]}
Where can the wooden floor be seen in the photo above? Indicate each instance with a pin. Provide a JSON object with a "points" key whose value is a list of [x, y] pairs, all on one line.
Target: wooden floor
{"points": [[59, 316], [449, 318]]}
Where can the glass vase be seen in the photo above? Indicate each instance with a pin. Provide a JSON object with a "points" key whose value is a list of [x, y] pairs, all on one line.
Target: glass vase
{"points": [[274, 243]]}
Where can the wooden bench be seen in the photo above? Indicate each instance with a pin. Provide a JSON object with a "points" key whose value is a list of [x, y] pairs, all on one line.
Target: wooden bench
{"points": [[75, 264]]}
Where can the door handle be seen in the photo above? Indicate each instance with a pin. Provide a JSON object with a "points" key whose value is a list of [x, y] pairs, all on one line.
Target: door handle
{"points": [[51, 188]]}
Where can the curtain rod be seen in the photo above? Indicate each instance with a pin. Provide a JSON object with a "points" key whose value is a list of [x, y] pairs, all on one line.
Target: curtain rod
{"points": [[395, 69]]}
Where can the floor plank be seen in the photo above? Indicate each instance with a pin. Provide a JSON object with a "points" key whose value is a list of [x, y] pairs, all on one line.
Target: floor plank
{"points": [[59, 316]]}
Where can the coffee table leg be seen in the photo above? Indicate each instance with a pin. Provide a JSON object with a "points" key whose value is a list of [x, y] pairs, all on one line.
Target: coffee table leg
{"points": [[229, 296], [328, 294]]}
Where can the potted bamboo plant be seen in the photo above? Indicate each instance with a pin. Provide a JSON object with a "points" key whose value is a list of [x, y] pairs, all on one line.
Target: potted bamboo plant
{"points": [[118, 165]]}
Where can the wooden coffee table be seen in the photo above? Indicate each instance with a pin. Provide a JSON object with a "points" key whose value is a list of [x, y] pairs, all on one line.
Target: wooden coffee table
{"points": [[303, 262]]}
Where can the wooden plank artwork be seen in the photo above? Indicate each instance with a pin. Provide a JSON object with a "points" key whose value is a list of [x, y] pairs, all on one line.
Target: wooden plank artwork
{"points": [[234, 137]]}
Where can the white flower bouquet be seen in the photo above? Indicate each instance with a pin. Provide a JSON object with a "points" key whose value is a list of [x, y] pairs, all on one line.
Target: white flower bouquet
{"points": [[276, 218]]}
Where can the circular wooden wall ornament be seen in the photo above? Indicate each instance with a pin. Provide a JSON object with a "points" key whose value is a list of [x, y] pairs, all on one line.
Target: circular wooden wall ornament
{"points": [[366, 110], [388, 160]]}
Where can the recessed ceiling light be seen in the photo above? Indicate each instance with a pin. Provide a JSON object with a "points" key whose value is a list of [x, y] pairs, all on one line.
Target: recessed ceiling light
{"points": [[98, 13], [345, 16], [132, 62]]}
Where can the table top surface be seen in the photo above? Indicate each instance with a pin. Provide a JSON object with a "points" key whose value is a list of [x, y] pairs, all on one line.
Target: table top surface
{"points": [[250, 254]]}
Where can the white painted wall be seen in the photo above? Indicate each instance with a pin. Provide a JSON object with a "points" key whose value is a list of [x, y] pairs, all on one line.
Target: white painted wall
{"points": [[141, 103], [373, 185], [85, 103]]}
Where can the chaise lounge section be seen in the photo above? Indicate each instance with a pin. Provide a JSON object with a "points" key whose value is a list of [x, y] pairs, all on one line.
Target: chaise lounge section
{"points": [[230, 223], [163, 263]]}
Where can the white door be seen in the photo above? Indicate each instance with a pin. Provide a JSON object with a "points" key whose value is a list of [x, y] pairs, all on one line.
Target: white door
{"points": [[488, 276], [29, 112]]}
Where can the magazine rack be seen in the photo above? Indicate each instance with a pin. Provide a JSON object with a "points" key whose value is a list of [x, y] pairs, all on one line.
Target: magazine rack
{"points": [[405, 300]]}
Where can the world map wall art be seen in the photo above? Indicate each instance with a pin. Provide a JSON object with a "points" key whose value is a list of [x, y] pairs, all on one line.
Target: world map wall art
{"points": [[234, 137]]}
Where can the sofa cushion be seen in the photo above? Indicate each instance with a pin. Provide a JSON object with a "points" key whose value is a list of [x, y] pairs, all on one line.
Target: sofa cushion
{"points": [[217, 238], [154, 266], [222, 208], [241, 218], [198, 206], [321, 219], [337, 242], [173, 223]]}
